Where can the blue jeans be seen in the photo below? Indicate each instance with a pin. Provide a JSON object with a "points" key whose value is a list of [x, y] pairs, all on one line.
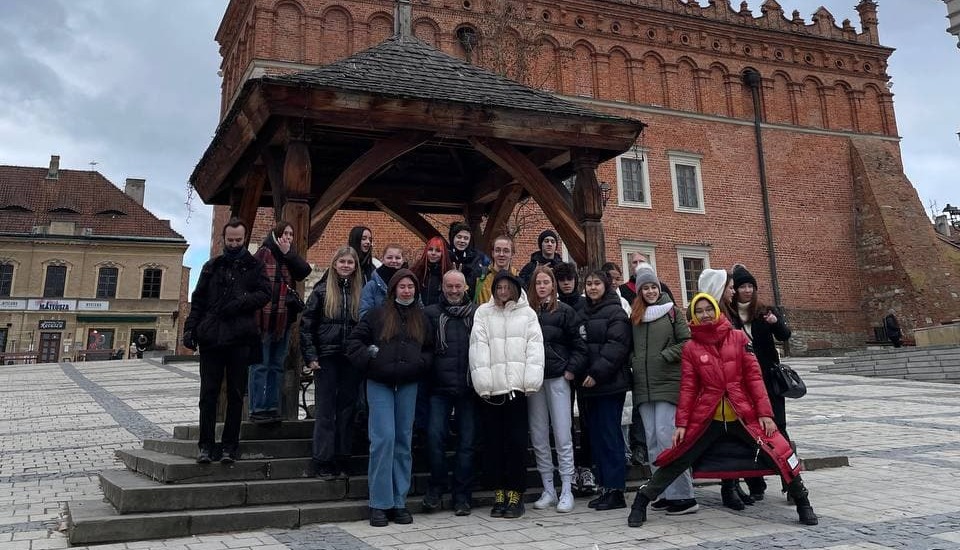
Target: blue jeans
{"points": [[266, 377], [466, 418], [390, 427], [606, 439]]}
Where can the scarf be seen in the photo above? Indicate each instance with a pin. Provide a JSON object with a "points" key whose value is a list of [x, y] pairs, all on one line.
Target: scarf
{"points": [[464, 311], [656, 311], [743, 310]]}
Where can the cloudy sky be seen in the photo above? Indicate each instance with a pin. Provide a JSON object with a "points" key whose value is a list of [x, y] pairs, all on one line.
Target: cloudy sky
{"points": [[132, 86]]}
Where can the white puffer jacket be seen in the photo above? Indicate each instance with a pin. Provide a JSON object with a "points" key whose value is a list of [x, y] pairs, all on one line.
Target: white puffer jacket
{"points": [[506, 349]]}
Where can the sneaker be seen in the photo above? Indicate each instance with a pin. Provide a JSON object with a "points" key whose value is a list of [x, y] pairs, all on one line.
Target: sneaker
{"points": [[402, 516], [566, 503], [430, 503], [378, 518], [327, 472], [593, 502], [461, 509], [203, 457], [587, 481], [229, 455], [546, 500], [683, 506], [661, 504], [613, 500], [514, 505], [499, 503]]}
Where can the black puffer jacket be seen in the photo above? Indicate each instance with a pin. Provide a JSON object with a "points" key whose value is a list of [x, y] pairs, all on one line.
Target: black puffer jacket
{"points": [[450, 373], [537, 259], [401, 360], [224, 304], [322, 336], [430, 292], [564, 348], [606, 329], [472, 263]]}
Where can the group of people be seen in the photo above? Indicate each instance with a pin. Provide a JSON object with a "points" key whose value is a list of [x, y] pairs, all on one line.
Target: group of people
{"points": [[460, 341]]}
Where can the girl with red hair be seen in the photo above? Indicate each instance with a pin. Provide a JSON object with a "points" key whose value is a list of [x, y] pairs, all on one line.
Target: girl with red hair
{"points": [[429, 269]]}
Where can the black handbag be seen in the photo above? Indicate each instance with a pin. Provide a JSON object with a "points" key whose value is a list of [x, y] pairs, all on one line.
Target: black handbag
{"points": [[294, 302], [786, 382]]}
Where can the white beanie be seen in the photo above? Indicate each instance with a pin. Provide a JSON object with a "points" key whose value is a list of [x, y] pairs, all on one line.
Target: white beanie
{"points": [[713, 282], [645, 274]]}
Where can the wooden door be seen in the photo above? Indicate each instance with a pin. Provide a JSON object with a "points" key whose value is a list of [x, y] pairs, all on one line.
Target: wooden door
{"points": [[49, 347]]}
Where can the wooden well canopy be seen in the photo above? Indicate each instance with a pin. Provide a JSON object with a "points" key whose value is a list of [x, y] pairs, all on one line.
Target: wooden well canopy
{"points": [[408, 130]]}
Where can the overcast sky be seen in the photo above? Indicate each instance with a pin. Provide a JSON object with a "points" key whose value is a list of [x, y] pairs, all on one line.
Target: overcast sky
{"points": [[132, 85]]}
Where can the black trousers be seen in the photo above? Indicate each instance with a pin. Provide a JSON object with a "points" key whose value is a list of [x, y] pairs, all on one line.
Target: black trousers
{"points": [[505, 428], [582, 450], [336, 387], [217, 364]]}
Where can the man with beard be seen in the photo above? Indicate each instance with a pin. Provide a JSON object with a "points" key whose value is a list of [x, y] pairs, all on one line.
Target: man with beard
{"points": [[451, 320], [223, 324]]}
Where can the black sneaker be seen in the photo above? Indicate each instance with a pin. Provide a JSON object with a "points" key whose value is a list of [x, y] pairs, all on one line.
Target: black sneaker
{"points": [[638, 511], [499, 503], [229, 455], [661, 504], [378, 518], [514, 505], [203, 457], [593, 502], [430, 503], [327, 472], [613, 500], [683, 506], [402, 516], [461, 509]]}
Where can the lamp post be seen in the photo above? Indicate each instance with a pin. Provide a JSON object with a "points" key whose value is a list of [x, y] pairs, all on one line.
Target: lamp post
{"points": [[605, 192]]}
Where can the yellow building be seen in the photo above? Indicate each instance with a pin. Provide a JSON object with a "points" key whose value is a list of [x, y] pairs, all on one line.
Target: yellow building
{"points": [[85, 269]]}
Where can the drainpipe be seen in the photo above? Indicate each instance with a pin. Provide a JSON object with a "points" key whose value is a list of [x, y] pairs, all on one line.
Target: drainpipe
{"points": [[752, 79]]}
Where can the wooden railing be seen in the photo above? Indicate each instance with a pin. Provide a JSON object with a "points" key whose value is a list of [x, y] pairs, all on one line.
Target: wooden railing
{"points": [[20, 358]]}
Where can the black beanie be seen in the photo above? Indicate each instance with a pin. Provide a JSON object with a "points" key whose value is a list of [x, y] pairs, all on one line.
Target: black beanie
{"points": [[544, 235], [741, 275]]}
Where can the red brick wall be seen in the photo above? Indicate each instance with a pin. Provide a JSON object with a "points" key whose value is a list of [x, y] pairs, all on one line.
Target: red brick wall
{"points": [[676, 67]]}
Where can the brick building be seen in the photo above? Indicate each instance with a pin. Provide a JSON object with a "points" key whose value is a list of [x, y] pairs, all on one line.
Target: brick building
{"points": [[850, 236], [84, 267]]}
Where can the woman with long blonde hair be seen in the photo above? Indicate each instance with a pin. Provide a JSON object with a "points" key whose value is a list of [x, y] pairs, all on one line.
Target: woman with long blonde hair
{"points": [[331, 313]]}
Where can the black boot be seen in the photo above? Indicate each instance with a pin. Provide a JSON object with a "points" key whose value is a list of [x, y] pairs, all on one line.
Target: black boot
{"points": [[601, 494], [757, 487], [638, 510], [800, 495], [746, 498], [728, 494]]}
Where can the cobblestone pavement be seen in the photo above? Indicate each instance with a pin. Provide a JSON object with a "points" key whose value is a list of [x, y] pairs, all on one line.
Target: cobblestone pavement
{"points": [[61, 423]]}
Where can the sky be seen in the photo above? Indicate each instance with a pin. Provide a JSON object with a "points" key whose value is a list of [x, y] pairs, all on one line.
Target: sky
{"points": [[132, 86]]}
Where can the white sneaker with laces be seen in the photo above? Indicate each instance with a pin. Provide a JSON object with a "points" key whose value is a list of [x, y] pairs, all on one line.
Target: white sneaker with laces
{"points": [[547, 499], [566, 503]]}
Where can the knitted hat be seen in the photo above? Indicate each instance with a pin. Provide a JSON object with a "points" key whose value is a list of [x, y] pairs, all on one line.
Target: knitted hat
{"points": [[544, 235], [645, 274], [713, 282], [741, 276]]}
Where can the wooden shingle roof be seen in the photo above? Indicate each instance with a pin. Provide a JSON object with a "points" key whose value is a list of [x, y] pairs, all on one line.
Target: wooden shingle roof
{"points": [[29, 199]]}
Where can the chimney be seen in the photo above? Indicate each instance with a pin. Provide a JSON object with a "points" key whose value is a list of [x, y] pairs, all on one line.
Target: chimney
{"points": [[134, 188], [401, 19], [53, 173]]}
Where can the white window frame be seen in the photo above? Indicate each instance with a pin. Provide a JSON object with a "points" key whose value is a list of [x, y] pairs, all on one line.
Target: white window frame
{"points": [[628, 247], [686, 159], [632, 154], [701, 252]]}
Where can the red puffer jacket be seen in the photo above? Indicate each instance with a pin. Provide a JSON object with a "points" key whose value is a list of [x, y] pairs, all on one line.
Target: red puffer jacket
{"points": [[718, 361]]}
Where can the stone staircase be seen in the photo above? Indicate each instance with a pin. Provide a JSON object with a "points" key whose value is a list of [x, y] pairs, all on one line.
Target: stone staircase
{"points": [[164, 493], [928, 364]]}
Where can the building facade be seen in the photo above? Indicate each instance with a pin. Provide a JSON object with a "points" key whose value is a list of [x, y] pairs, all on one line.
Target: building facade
{"points": [[85, 269], [953, 15], [794, 171]]}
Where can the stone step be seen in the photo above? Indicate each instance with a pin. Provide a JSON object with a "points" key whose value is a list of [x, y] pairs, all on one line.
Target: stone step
{"points": [[249, 449], [288, 429]]}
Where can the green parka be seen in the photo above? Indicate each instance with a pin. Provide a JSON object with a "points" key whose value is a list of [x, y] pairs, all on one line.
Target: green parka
{"points": [[656, 356]]}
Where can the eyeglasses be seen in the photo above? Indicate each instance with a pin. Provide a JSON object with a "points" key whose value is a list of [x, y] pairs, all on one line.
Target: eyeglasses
{"points": [[499, 251]]}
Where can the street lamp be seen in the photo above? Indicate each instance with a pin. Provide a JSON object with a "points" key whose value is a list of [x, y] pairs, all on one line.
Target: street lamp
{"points": [[605, 192]]}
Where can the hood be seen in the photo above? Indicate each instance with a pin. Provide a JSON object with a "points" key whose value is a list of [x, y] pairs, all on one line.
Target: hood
{"points": [[704, 296], [395, 280], [504, 274]]}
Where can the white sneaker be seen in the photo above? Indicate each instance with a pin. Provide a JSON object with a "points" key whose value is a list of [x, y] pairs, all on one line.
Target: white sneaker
{"points": [[588, 482], [566, 502], [547, 499]]}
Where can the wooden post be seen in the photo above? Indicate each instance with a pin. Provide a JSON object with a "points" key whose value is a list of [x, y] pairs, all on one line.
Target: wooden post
{"points": [[588, 205], [297, 177]]}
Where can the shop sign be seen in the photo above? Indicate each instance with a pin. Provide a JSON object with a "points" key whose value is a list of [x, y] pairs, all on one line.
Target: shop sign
{"points": [[50, 304], [7, 304], [93, 305], [52, 324]]}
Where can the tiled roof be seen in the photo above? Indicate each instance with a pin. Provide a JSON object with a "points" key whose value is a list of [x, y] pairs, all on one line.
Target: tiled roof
{"points": [[28, 199], [408, 68]]}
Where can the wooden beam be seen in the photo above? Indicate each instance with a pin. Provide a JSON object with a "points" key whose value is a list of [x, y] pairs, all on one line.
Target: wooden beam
{"points": [[409, 218], [499, 214], [488, 188], [273, 158], [551, 201], [255, 181], [382, 153], [589, 206]]}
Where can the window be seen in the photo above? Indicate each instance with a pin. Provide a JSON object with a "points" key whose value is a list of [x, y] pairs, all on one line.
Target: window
{"points": [[633, 182], [3, 340], [100, 338], [151, 283], [687, 184], [107, 282], [55, 282], [627, 248], [6, 279], [692, 260]]}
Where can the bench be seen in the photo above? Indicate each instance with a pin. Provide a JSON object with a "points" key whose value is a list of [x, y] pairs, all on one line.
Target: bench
{"points": [[20, 358], [99, 354]]}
